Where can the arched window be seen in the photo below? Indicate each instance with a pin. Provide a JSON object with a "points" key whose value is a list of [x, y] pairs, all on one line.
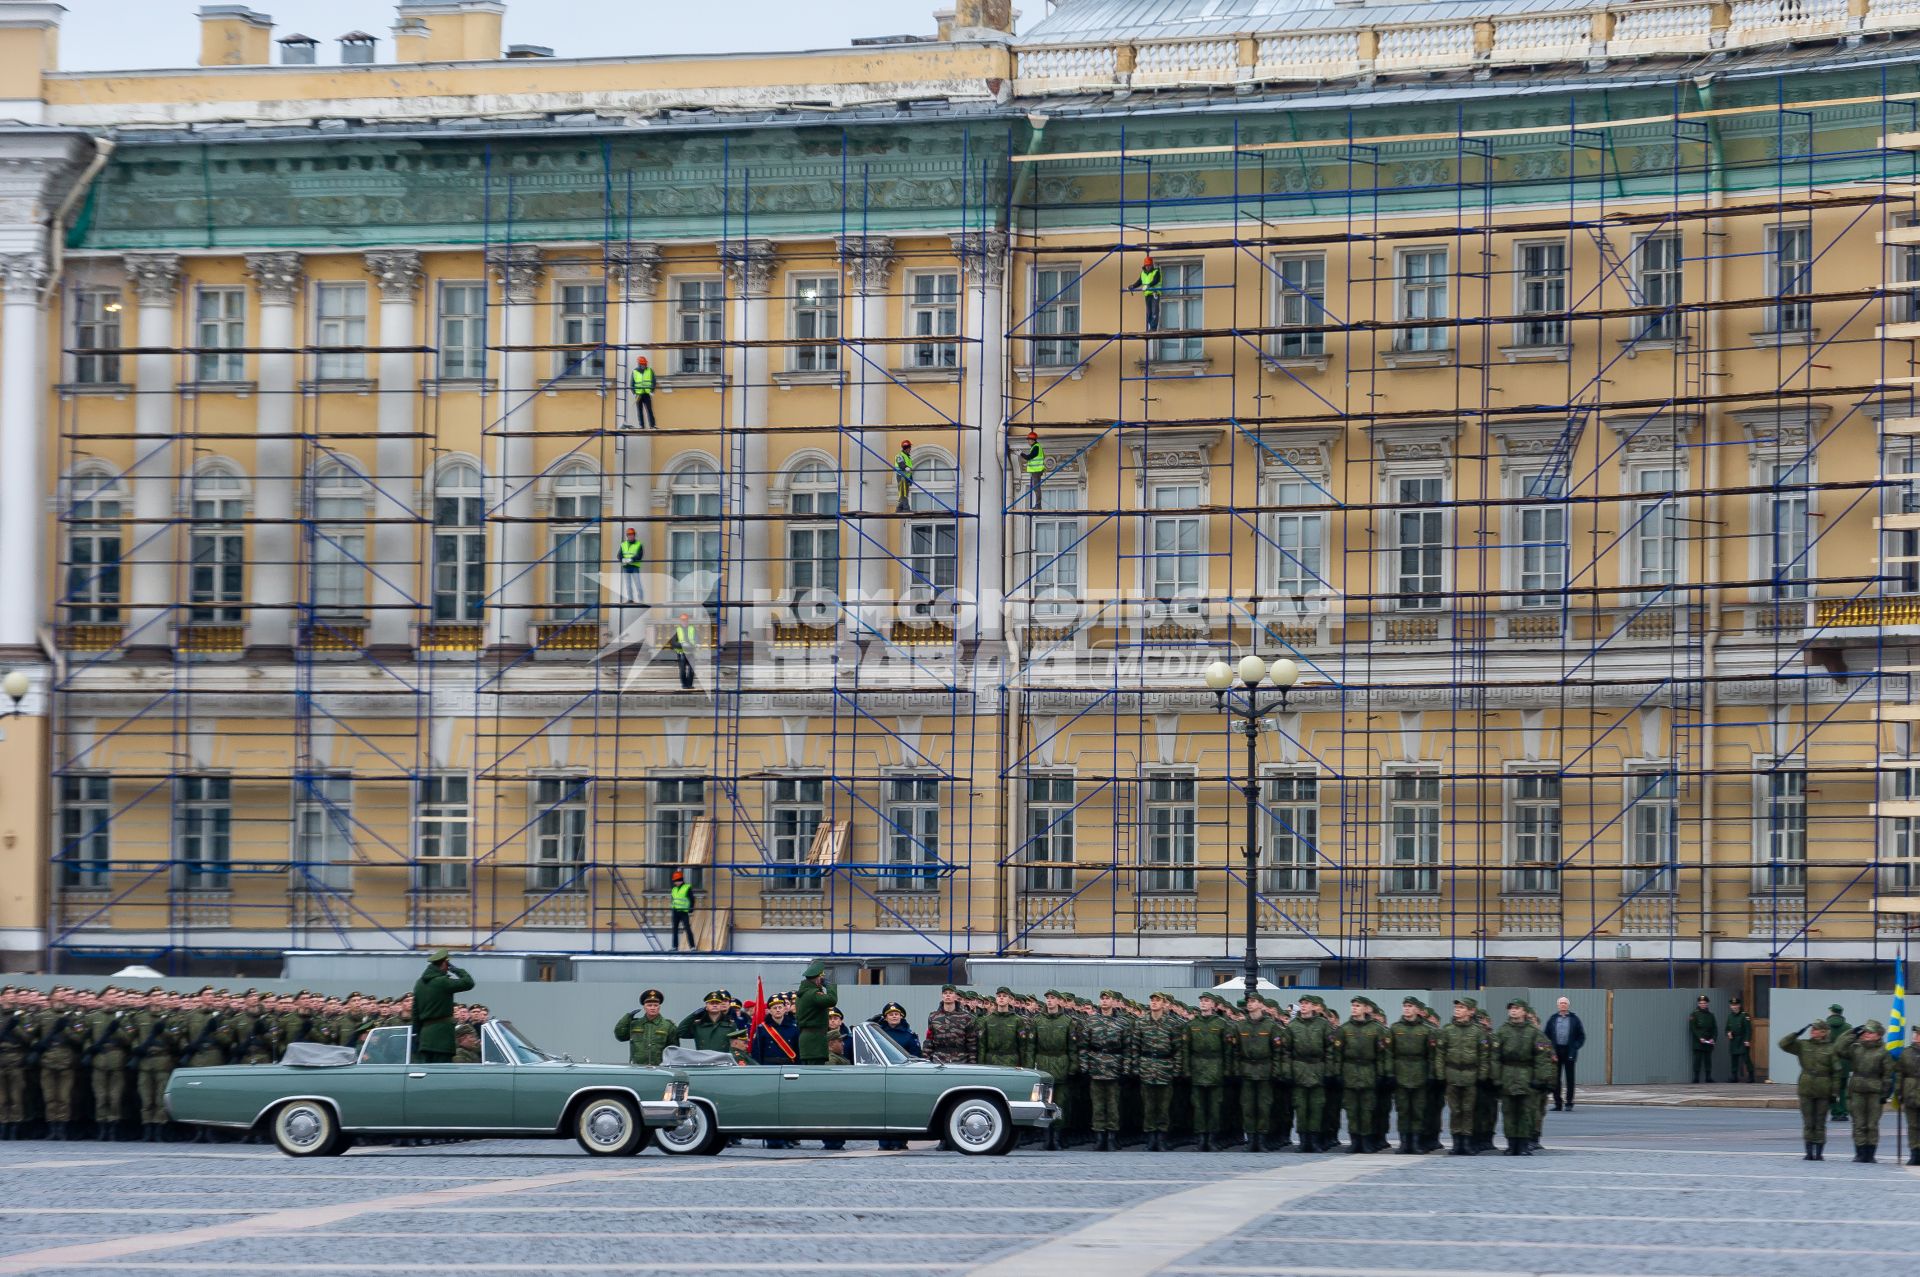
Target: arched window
{"points": [[217, 558], [459, 543], [813, 528], [338, 549], [576, 539], [96, 502], [693, 539]]}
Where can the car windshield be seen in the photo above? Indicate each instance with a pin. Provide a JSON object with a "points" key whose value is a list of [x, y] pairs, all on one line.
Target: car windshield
{"points": [[524, 1052], [885, 1047]]}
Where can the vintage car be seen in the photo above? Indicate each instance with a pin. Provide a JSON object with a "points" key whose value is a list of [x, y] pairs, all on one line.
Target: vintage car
{"points": [[316, 1101], [883, 1094]]}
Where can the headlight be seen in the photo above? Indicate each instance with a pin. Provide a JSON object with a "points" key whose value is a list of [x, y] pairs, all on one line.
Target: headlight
{"points": [[1042, 1093], [676, 1093]]}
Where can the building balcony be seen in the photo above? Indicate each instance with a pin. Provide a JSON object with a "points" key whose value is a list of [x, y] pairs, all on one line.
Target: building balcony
{"points": [[568, 909], [92, 637], [334, 636], [794, 911], [1772, 916], [1530, 915], [440, 909], [1039, 913], [1408, 916], [203, 909], [568, 640], [1289, 917], [908, 911], [1876, 615], [210, 640], [1646, 915], [1170, 914], [450, 638]]}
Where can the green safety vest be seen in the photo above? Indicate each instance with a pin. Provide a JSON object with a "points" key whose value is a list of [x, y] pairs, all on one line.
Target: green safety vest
{"points": [[631, 552], [643, 381], [1037, 463], [903, 466], [684, 634], [682, 898], [1150, 281]]}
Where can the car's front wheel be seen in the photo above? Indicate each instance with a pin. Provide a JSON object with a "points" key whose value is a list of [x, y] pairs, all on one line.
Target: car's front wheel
{"points": [[695, 1137], [306, 1128], [978, 1126], [609, 1126]]}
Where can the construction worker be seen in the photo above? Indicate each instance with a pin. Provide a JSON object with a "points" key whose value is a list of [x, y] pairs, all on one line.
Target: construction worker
{"points": [[1149, 283], [633, 555], [682, 894], [686, 637], [903, 473], [1035, 459], [643, 418]]}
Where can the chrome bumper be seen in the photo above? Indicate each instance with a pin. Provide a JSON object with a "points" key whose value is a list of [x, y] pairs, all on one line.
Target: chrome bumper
{"points": [[664, 1113], [1032, 1113]]}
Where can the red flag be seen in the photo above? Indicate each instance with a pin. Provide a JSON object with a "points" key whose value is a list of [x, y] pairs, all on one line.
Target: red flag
{"points": [[758, 1007]]}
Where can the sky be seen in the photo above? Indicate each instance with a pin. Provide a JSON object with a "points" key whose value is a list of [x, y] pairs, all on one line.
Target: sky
{"points": [[101, 35]]}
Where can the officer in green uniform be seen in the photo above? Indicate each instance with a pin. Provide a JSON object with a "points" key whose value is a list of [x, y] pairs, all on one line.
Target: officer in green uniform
{"points": [[1361, 1045], [1208, 1048], [1465, 1061], [1158, 1038], [1280, 1132], [712, 1026], [1906, 1076], [1259, 1051], [1311, 1047], [1003, 1036], [1836, 1028], [1056, 1050], [1435, 1105], [108, 1041], [59, 1036], [16, 1040], [1819, 1057], [646, 1032], [1739, 1041], [433, 1008], [1702, 1029], [1105, 1043], [816, 997], [1519, 1050], [1869, 1068], [159, 1035], [256, 1031], [1411, 1048]]}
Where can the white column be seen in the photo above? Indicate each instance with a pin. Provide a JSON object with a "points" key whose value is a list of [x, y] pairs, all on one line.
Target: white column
{"points": [[520, 271], [748, 278], [276, 541], [23, 443], [157, 487], [869, 261], [396, 556], [633, 448], [983, 258]]}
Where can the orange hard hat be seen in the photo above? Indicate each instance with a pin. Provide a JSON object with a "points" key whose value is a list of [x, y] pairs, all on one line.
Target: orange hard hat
{"points": [[1147, 260], [1033, 434], [643, 361], [629, 531], [906, 443], [678, 876]]}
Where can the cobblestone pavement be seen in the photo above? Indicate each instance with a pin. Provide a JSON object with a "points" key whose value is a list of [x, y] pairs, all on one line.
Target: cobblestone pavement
{"points": [[1699, 1192]]}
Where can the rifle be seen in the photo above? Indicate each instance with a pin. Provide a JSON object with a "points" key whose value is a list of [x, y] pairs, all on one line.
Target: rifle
{"points": [[94, 1044], [39, 1049], [193, 1048], [140, 1052]]}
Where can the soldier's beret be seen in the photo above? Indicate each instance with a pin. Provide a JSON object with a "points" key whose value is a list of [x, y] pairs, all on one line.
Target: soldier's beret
{"points": [[815, 969], [716, 995], [438, 955], [652, 995]]}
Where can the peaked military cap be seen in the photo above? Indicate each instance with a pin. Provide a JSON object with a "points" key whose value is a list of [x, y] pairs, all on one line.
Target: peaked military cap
{"points": [[893, 1006], [1516, 1002], [1313, 999], [1471, 1004], [716, 995], [1873, 1026], [949, 988], [652, 996], [438, 955], [1004, 989], [1835, 1008], [815, 969]]}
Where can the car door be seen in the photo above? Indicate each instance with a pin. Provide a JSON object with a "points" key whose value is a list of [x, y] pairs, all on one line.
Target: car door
{"points": [[836, 1097], [449, 1097], [746, 1098]]}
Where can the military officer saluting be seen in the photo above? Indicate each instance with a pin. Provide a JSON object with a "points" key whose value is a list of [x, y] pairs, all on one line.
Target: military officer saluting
{"points": [[712, 1026], [646, 1032], [1819, 1060], [811, 1005], [433, 1008]]}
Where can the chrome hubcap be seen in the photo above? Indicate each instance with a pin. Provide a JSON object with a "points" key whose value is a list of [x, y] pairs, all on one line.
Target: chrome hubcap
{"points": [[977, 1126], [606, 1125], [301, 1127]]}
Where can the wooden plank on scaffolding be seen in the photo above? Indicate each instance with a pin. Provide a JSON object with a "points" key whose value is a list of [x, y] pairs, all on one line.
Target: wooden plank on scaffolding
{"points": [[829, 843], [700, 845]]}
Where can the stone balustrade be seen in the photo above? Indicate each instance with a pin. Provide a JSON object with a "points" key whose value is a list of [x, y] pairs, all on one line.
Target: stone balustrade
{"points": [[908, 911], [1169, 913], [1046, 914]]}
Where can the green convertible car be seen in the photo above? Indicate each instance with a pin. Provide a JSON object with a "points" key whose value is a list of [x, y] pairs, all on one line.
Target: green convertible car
{"points": [[316, 1101], [884, 1094]]}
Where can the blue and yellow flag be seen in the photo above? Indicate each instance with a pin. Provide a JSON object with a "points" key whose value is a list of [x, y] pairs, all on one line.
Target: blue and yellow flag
{"points": [[1897, 1018]]}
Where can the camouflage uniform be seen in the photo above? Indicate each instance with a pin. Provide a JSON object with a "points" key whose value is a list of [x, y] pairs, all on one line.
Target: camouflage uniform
{"points": [[1464, 1060], [1259, 1051], [1362, 1047], [1003, 1038], [59, 1037], [16, 1038], [1907, 1095], [1105, 1043], [1869, 1069], [647, 1037], [1486, 1100], [1207, 1048], [1312, 1048], [1523, 1062], [1837, 1027], [1158, 1046], [107, 1041], [949, 1036], [157, 1039], [1056, 1051], [1411, 1048], [1819, 1078]]}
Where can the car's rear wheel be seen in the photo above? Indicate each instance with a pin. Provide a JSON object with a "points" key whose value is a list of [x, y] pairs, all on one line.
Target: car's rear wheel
{"points": [[695, 1137], [978, 1126], [609, 1126], [306, 1128]]}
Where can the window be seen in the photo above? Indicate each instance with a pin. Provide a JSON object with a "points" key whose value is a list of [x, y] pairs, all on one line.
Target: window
{"points": [[1657, 265], [1786, 508], [1533, 834], [202, 833], [1292, 808], [913, 833], [816, 315], [1904, 306], [1298, 549], [813, 548], [576, 541], [1049, 849], [1177, 543], [678, 805], [1543, 293], [1900, 547], [1790, 255], [933, 546], [1056, 309], [220, 329], [1653, 832], [216, 585], [1419, 544], [341, 311], [1053, 576], [560, 819], [1413, 834], [1542, 544], [1423, 295], [96, 327], [1172, 842], [1182, 306], [1656, 528], [583, 323], [693, 548], [1299, 298], [933, 310], [796, 808], [339, 553], [700, 315], [323, 834], [1780, 833], [444, 834], [93, 549], [459, 544], [86, 822], [1899, 845], [463, 332], [936, 486]]}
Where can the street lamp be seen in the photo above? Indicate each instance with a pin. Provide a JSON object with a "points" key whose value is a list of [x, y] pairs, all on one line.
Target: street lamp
{"points": [[1248, 712], [16, 685]]}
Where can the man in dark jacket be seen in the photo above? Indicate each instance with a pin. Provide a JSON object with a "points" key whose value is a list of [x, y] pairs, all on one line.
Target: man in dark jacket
{"points": [[712, 1026], [1568, 1035], [1702, 1031], [433, 1008]]}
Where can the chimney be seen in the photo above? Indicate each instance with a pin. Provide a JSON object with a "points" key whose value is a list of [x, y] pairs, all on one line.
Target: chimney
{"points": [[518, 51], [232, 35], [943, 24], [448, 30], [298, 50], [357, 49], [29, 48], [982, 19]]}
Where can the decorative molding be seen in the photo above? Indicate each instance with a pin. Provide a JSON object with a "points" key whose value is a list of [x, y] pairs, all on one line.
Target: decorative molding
{"points": [[640, 269], [869, 258], [1283, 452], [155, 277], [1168, 454], [519, 270], [277, 277], [1784, 427], [1642, 434], [23, 275], [1415, 441], [749, 266], [1529, 439], [983, 257], [397, 271]]}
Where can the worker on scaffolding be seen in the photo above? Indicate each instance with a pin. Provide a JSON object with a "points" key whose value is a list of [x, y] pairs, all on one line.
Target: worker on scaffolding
{"points": [[1149, 283], [686, 639], [682, 898], [643, 418], [1035, 460], [633, 556], [903, 474]]}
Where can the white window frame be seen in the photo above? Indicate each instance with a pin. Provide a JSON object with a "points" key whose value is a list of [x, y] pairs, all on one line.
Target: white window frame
{"points": [[217, 547], [462, 349], [203, 832], [933, 310], [672, 816], [796, 808], [580, 319], [1900, 547], [1047, 847], [1780, 826], [1783, 557], [1658, 528], [1790, 260], [95, 573], [443, 831], [1423, 296], [85, 848], [695, 502], [812, 531], [1417, 874], [340, 330], [1299, 298], [814, 303], [1054, 572], [1179, 589], [1290, 824], [220, 330], [1293, 545], [1435, 598], [98, 321], [1183, 305], [1540, 543], [1176, 872], [578, 498], [559, 834], [1540, 289], [322, 829], [1903, 267], [1899, 836], [341, 500], [1060, 315], [700, 317], [1650, 815], [1534, 801], [1659, 272], [458, 587], [911, 831]]}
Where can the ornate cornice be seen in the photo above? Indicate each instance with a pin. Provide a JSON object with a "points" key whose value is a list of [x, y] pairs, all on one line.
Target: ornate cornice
{"points": [[983, 257], [1283, 452], [276, 277], [397, 271], [1415, 441], [23, 274], [749, 266], [869, 259], [641, 269], [519, 270], [1529, 438], [155, 277]]}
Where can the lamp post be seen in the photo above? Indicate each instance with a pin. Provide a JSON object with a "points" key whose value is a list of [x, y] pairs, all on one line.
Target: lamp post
{"points": [[1247, 712], [16, 685]]}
